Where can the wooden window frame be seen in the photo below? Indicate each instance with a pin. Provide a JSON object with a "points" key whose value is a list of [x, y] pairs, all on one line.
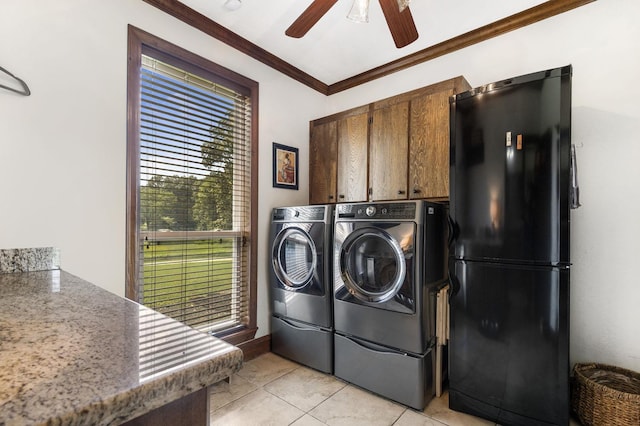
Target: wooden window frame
{"points": [[138, 42]]}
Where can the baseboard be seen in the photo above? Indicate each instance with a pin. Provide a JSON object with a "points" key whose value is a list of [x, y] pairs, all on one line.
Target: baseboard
{"points": [[255, 347]]}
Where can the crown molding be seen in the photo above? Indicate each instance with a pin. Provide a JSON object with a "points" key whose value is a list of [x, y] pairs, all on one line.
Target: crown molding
{"points": [[527, 17]]}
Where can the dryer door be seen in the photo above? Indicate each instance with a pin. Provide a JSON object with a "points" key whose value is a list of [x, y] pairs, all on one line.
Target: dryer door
{"points": [[295, 258], [375, 264]]}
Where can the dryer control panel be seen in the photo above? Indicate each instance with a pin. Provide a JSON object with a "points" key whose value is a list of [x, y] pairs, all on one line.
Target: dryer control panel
{"points": [[380, 211], [300, 214]]}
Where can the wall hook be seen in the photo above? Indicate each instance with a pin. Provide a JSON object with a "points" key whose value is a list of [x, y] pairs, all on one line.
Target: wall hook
{"points": [[25, 89]]}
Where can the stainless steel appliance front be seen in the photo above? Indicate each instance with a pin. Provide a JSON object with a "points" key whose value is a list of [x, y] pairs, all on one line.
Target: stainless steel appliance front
{"points": [[388, 261], [300, 285]]}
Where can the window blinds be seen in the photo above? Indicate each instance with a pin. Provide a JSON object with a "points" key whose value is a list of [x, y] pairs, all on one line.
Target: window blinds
{"points": [[194, 196]]}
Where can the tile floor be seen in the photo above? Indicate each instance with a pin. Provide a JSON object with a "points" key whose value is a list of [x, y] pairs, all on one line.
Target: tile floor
{"points": [[271, 390]]}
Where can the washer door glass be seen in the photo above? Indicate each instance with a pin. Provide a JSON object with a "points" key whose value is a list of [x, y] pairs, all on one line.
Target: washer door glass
{"points": [[373, 265], [294, 257]]}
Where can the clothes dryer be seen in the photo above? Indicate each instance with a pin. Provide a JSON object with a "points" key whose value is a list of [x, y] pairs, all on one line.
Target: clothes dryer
{"points": [[300, 285], [389, 263]]}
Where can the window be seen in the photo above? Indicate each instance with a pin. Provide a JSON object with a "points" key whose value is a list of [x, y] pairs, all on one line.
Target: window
{"points": [[192, 147]]}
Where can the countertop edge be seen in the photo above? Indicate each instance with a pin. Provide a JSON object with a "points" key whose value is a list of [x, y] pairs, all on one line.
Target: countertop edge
{"points": [[48, 293], [154, 394]]}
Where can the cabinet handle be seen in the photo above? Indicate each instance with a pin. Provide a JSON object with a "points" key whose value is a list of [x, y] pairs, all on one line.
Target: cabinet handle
{"points": [[370, 191], [331, 197], [401, 192], [416, 191], [341, 196]]}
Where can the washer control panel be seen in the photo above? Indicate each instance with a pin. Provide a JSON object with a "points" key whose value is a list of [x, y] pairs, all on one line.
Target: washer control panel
{"points": [[397, 210]]}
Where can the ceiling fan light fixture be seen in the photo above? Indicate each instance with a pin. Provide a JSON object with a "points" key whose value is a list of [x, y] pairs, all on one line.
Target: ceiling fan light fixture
{"points": [[403, 4], [359, 11], [232, 4]]}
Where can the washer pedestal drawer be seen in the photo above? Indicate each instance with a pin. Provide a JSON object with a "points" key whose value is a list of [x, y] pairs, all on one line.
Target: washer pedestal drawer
{"points": [[304, 343], [405, 378]]}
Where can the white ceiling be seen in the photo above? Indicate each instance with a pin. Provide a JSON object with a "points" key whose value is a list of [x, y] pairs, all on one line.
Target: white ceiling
{"points": [[337, 48]]}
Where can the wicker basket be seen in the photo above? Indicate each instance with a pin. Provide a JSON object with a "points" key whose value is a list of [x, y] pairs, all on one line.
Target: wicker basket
{"points": [[606, 395]]}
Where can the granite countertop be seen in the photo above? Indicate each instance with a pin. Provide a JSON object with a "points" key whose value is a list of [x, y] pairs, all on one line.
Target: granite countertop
{"points": [[72, 353]]}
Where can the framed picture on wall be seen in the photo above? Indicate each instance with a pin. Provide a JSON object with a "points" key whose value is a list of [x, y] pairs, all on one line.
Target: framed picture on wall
{"points": [[285, 166]]}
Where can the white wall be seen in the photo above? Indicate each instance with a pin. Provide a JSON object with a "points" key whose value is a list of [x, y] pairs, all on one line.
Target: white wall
{"points": [[600, 40], [62, 150]]}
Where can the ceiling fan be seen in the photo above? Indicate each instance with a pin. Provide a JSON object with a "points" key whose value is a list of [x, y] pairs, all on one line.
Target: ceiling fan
{"points": [[396, 12]]}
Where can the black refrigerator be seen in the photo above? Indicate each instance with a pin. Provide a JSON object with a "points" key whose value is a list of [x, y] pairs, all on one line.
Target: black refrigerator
{"points": [[509, 265]]}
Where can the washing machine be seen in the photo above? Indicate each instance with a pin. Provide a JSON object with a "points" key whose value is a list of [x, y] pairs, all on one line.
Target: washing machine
{"points": [[300, 285], [389, 262]]}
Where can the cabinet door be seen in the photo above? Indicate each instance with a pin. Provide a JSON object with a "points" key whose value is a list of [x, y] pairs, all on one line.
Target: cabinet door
{"points": [[429, 146], [388, 152], [322, 163], [352, 158]]}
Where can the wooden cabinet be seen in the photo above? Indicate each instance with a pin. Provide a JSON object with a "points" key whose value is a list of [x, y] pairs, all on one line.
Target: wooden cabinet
{"points": [[338, 155], [393, 149], [323, 146], [429, 140], [388, 151], [353, 133]]}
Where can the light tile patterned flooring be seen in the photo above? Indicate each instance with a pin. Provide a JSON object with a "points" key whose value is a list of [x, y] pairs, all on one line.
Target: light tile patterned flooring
{"points": [[270, 390]]}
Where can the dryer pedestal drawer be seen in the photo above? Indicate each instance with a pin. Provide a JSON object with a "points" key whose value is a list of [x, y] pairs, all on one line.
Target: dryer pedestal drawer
{"points": [[304, 343], [405, 378]]}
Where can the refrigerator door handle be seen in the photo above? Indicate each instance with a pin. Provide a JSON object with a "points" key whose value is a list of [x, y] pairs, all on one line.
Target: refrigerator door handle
{"points": [[575, 188], [453, 234], [453, 280]]}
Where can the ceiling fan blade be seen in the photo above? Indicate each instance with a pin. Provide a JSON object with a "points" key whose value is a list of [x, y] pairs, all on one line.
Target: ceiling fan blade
{"points": [[401, 24], [309, 17]]}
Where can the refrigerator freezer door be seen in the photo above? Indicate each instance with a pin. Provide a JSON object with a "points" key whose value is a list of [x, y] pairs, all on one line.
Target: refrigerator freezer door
{"points": [[510, 174], [509, 347]]}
